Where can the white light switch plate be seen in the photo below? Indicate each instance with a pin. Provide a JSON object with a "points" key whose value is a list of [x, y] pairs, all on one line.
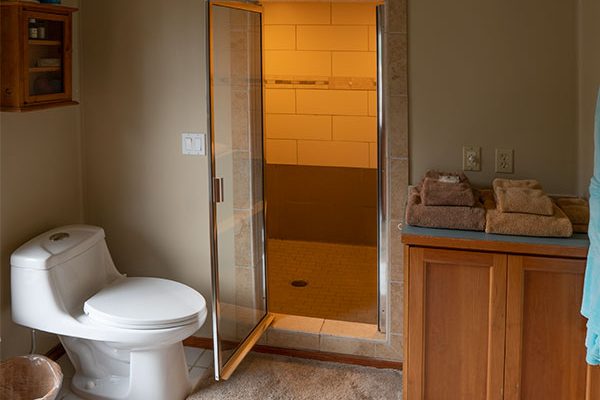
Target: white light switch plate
{"points": [[471, 158], [193, 144]]}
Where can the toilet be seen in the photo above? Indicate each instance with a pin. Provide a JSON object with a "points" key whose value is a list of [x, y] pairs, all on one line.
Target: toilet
{"points": [[123, 335]]}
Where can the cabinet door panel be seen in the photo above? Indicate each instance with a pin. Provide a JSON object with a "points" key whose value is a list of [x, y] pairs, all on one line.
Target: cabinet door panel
{"points": [[545, 348], [593, 391], [456, 324], [47, 84]]}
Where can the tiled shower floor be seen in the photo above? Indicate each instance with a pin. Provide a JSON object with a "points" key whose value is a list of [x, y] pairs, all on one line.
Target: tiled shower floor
{"points": [[342, 280]]}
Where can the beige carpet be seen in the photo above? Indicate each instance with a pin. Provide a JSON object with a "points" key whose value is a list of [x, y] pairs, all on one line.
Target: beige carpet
{"points": [[268, 377]]}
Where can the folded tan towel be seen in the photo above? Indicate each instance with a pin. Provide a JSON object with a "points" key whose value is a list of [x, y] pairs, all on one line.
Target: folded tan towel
{"points": [[524, 200], [435, 174], [522, 196], [520, 183], [437, 191], [503, 223], [578, 210], [448, 217]]}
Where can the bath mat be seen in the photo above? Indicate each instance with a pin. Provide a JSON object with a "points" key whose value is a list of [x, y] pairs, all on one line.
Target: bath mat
{"points": [[270, 377]]}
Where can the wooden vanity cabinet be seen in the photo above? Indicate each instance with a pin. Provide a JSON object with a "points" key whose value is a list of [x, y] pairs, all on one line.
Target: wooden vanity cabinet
{"points": [[495, 321], [36, 64]]}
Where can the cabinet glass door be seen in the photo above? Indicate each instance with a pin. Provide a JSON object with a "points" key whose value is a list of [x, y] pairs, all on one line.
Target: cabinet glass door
{"points": [[240, 313], [46, 64]]}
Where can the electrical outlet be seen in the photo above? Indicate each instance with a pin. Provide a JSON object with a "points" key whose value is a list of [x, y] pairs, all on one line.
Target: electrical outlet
{"points": [[504, 161], [471, 158]]}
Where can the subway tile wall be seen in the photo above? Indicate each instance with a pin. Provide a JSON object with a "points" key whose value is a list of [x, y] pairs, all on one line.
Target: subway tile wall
{"points": [[320, 69]]}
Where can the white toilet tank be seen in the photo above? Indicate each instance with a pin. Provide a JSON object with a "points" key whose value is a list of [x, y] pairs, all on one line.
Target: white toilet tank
{"points": [[53, 274]]}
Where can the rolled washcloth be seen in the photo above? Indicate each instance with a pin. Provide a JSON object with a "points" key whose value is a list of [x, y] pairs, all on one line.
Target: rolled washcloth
{"points": [[446, 189], [578, 210], [522, 196], [448, 217], [503, 223]]}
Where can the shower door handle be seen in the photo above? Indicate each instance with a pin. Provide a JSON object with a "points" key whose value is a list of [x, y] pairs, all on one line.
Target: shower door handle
{"points": [[218, 190]]}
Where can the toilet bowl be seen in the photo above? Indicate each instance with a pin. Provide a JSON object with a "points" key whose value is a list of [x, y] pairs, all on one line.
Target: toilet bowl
{"points": [[123, 335]]}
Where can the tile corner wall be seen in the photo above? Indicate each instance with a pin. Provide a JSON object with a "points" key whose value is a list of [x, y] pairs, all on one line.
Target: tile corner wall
{"points": [[397, 115]]}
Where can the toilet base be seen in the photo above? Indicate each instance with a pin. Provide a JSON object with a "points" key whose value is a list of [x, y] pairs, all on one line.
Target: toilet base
{"points": [[104, 372]]}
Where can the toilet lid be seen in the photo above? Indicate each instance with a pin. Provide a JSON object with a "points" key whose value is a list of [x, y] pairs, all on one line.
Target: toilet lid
{"points": [[145, 303]]}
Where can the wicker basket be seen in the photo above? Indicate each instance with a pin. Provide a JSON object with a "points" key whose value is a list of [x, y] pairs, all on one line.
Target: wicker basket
{"points": [[29, 378]]}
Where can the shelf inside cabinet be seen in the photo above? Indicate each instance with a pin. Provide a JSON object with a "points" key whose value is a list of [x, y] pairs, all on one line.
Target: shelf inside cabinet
{"points": [[44, 69], [43, 42]]}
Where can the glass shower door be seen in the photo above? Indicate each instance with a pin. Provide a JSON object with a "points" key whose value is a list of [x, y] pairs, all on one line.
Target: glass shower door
{"points": [[240, 314]]}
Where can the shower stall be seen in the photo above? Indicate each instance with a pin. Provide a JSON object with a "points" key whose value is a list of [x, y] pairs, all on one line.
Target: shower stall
{"points": [[297, 169]]}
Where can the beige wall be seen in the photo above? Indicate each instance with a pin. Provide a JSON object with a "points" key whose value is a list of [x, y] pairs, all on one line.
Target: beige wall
{"points": [[332, 122], [589, 83], [40, 189], [144, 85], [495, 74]]}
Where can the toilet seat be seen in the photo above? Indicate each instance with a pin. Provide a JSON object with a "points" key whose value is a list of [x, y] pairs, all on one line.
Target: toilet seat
{"points": [[145, 303]]}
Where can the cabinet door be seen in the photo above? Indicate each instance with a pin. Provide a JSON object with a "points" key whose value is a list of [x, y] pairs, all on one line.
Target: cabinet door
{"points": [[456, 325], [593, 383], [545, 334], [47, 61]]}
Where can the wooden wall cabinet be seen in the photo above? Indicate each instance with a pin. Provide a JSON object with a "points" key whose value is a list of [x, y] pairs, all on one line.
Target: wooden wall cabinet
{"points": [[490, 324], [36, 70]]}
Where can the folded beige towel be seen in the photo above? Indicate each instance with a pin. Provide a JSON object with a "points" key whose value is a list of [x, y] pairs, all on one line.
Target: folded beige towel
{"points": [[456, 176], [448, 217], [520, 183], [522, 196], [437, 191], [578, 210], [556, 225]]}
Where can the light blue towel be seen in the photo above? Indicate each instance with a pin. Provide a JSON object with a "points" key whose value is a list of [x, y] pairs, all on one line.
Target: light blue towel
{"points": [[591, 289]]}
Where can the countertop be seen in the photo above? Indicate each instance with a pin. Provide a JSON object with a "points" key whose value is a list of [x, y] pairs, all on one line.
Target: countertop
{"points": [[576, 246]]}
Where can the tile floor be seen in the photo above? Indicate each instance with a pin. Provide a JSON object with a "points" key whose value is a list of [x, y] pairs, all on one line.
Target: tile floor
{"points": [[342, 280], [199, 362]]}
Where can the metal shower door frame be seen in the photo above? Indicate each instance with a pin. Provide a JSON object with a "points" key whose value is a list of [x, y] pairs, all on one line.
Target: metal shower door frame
{"points": [[225, 371], [383, 228]]}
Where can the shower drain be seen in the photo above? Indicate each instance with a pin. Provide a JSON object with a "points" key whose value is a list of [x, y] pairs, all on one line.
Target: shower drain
{"points": [[299, 283]]}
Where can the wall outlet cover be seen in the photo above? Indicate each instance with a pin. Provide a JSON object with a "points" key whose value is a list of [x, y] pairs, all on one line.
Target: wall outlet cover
{"points": [[505, 161], [471, 158]]}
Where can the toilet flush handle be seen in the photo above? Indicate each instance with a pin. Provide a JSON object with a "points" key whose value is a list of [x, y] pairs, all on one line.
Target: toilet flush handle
{"points": [[59, 236]]}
